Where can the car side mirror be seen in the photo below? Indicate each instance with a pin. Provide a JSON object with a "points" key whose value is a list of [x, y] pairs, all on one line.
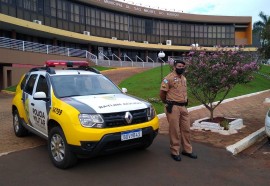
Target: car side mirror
{"points": [[124, 90], [40, 96]]}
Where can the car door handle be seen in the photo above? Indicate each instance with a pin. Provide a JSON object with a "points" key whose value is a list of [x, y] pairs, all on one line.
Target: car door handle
{"points": [[32, 104]]}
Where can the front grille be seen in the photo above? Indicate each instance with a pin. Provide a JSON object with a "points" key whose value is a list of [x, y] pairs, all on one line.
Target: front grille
{"points": [[118, 118]]}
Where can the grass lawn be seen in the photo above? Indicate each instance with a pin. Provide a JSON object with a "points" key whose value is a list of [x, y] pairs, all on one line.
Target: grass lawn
{"points": [[146, 85], [12, 88]]}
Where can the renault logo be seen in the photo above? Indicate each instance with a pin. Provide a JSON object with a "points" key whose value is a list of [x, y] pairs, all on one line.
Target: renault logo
{"points": [[128, 117]]}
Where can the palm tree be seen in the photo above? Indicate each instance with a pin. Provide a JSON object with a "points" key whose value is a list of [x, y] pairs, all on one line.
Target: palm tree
{"points": [[259, 26], [263, 29]]}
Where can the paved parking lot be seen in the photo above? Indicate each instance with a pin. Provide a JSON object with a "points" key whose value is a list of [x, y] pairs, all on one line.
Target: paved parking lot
{"points": [[215, 166], [250, 109], [153, 166]]}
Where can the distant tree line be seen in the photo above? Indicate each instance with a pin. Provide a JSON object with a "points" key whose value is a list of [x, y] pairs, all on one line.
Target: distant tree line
{"points": [[262, 27]]}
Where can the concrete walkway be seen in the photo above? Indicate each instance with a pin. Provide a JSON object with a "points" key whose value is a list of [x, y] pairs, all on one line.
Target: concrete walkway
{"points": [[249, 107]]}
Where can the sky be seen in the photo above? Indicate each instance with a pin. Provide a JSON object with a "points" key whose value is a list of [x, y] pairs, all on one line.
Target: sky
{"points": [[211, 7]]}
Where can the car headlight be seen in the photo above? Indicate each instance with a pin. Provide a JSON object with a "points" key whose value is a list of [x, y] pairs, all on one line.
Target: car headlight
{"points": [[91, 120], [150, 113]]}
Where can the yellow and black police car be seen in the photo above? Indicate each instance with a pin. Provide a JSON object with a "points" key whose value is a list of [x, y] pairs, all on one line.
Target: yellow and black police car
{"points": [[80, 112]]}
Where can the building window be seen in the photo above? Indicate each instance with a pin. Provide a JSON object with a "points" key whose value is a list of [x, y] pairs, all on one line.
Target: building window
{"points": [[29, 5], [73, 16], [62, 10], [102, 19]]}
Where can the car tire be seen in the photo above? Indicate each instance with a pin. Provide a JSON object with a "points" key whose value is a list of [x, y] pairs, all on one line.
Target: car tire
{"points": [[59, 151], [19, 129]]}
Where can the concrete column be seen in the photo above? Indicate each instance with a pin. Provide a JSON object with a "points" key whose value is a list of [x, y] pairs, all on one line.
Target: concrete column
{"points": [[1, 77], [54, 42], [89, 48], [119, 53], [13, 34], [146, 54]]}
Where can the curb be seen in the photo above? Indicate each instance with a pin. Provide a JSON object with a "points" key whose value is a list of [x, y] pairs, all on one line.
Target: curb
{"points": [[246, 142], [7, 92], [162, 115]]}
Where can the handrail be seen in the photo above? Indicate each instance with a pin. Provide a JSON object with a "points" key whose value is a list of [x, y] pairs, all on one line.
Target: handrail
{"points": [[91, 57], [113, 55], [56, 50], [101, 53], [128, 58], [161, 60], [27, 46], [147, 57], [138, 58]]}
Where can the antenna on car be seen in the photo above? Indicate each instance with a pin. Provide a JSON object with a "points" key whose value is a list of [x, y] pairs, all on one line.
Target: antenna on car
{"points": [[86, 68]]}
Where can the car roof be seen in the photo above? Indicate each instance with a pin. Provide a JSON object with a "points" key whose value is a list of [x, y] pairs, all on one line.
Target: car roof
{"points": [[66, 72], [72, 72], [69, 71]]}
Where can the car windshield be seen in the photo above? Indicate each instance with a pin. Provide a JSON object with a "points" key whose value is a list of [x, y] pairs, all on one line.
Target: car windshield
{"points": [[82, 85]]}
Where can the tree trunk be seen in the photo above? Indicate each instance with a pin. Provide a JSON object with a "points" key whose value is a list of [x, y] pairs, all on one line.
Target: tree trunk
{"points": [[211, 114]]}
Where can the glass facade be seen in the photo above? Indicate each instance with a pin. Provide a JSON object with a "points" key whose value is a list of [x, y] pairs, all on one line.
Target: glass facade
{"points": [[77, 17]]}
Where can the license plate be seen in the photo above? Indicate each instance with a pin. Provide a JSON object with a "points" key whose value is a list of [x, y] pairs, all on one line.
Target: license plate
{"points": [[128, 135]]}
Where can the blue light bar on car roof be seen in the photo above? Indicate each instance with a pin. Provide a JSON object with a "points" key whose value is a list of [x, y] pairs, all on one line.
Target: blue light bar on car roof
{"points": [[53, 63]]}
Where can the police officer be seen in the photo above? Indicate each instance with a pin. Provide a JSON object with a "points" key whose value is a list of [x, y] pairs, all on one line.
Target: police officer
{"points": [[173, 93]]}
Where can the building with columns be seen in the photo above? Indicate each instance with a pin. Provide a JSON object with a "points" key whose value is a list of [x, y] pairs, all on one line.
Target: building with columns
{"points": [[108, 28]]}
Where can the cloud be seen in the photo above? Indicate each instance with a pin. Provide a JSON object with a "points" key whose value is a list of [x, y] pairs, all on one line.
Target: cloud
{"points": [[204, 9], [212, 7]]}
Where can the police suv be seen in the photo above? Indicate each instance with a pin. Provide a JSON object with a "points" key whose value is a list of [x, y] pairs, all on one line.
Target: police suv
{"points": [[80, 112]]}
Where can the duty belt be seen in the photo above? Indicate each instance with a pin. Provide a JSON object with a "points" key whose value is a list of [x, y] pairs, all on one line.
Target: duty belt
{"points": [[170, 104], [176, 103]]}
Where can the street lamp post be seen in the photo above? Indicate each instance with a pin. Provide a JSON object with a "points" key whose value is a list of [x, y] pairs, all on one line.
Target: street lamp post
{"points": [[161, 55], [263, 42]]}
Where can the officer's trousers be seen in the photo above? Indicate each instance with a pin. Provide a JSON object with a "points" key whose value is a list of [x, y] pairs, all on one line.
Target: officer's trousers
{"points": [[179, 130]]}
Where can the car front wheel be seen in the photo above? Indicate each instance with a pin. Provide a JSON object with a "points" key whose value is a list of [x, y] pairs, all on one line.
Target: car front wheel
{"points": [[59, 151]]}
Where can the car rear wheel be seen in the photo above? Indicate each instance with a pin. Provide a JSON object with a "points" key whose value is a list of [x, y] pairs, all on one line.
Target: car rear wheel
{"points": [[59, 151], [19, 130]]}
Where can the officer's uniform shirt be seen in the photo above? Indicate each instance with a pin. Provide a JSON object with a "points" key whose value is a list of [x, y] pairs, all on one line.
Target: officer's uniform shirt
{"points": [[176, 87]]}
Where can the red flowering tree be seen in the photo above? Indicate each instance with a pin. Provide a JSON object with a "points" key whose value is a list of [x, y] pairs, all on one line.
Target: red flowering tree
{"points": [[210, 74]]}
